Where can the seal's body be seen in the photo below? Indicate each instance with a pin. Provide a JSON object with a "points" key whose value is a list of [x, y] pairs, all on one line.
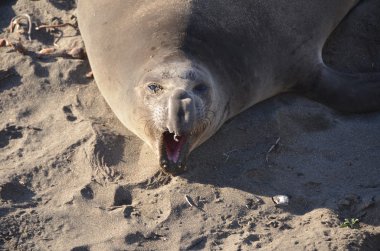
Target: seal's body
{"points": [[174, 71]]}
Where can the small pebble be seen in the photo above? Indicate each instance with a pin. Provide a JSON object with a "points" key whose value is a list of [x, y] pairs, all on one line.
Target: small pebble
{"points": [[281, 200]]}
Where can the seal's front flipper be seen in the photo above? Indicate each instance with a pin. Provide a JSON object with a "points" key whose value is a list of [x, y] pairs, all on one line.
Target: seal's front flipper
{"points": [[346, 92]]}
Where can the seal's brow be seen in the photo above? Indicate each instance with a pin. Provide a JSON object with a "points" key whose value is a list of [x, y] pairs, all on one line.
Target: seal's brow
{"points": [[166, 75], [190, 75]]}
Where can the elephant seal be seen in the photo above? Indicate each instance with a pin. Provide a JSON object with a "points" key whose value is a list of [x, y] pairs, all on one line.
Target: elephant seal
{"points": [[174, 71]]}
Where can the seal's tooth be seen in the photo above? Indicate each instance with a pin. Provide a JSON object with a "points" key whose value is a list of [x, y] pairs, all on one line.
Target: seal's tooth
{"points": [[176, 137]]}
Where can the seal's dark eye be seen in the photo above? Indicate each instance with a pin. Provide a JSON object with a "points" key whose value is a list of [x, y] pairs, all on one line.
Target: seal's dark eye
{"points": [[153, 87], [200, 88]]}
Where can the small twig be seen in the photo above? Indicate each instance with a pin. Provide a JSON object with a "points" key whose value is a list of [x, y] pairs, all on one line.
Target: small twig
{"points": [[14, 21], [271, 148], [54, 26], [17, 46], [46, 51], [227, 155], [33, 128], [59, 38], [191, 202], [111, 208], [75, 53], [52, 54]]}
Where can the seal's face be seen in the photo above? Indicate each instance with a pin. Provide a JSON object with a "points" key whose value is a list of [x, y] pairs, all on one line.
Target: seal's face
{"points": [[177, 103]]}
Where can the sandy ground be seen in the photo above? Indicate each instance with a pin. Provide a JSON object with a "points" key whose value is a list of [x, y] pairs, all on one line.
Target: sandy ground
{"points": [[73, 178]]}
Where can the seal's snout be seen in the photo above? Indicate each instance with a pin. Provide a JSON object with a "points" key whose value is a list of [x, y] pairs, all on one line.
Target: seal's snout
{"points": [[174, 143], [181, 113]]}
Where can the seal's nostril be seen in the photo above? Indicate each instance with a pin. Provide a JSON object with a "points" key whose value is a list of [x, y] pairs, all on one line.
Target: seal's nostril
{"points": [[184, 95], [180, 113]]}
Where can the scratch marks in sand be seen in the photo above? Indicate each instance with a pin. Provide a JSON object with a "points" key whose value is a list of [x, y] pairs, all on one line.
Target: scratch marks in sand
{"points": [[158, 180], [107, 151]]}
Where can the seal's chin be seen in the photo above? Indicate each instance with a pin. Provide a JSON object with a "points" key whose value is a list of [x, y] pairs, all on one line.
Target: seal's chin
{"points": [[173, 151]]}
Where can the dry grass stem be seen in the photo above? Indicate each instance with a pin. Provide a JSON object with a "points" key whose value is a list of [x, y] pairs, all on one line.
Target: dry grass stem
{"points": [[54, 26], [17, 46], [16, 20], [46, 51], [272, 148], [227, 154], [191, 202]]}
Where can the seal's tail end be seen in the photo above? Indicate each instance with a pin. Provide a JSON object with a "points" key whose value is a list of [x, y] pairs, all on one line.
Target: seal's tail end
{"points": [[347, 92]]}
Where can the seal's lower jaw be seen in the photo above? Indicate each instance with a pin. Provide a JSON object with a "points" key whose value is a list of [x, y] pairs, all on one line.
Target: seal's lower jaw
{"points": [[173, 151]]}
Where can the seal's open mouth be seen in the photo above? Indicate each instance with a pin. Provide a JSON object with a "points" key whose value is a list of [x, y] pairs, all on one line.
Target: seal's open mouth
{"points": [[173, 152], [173, 145]]}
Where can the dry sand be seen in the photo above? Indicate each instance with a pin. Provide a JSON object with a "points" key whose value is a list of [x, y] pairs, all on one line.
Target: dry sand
{"points": [[73, 178]]}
